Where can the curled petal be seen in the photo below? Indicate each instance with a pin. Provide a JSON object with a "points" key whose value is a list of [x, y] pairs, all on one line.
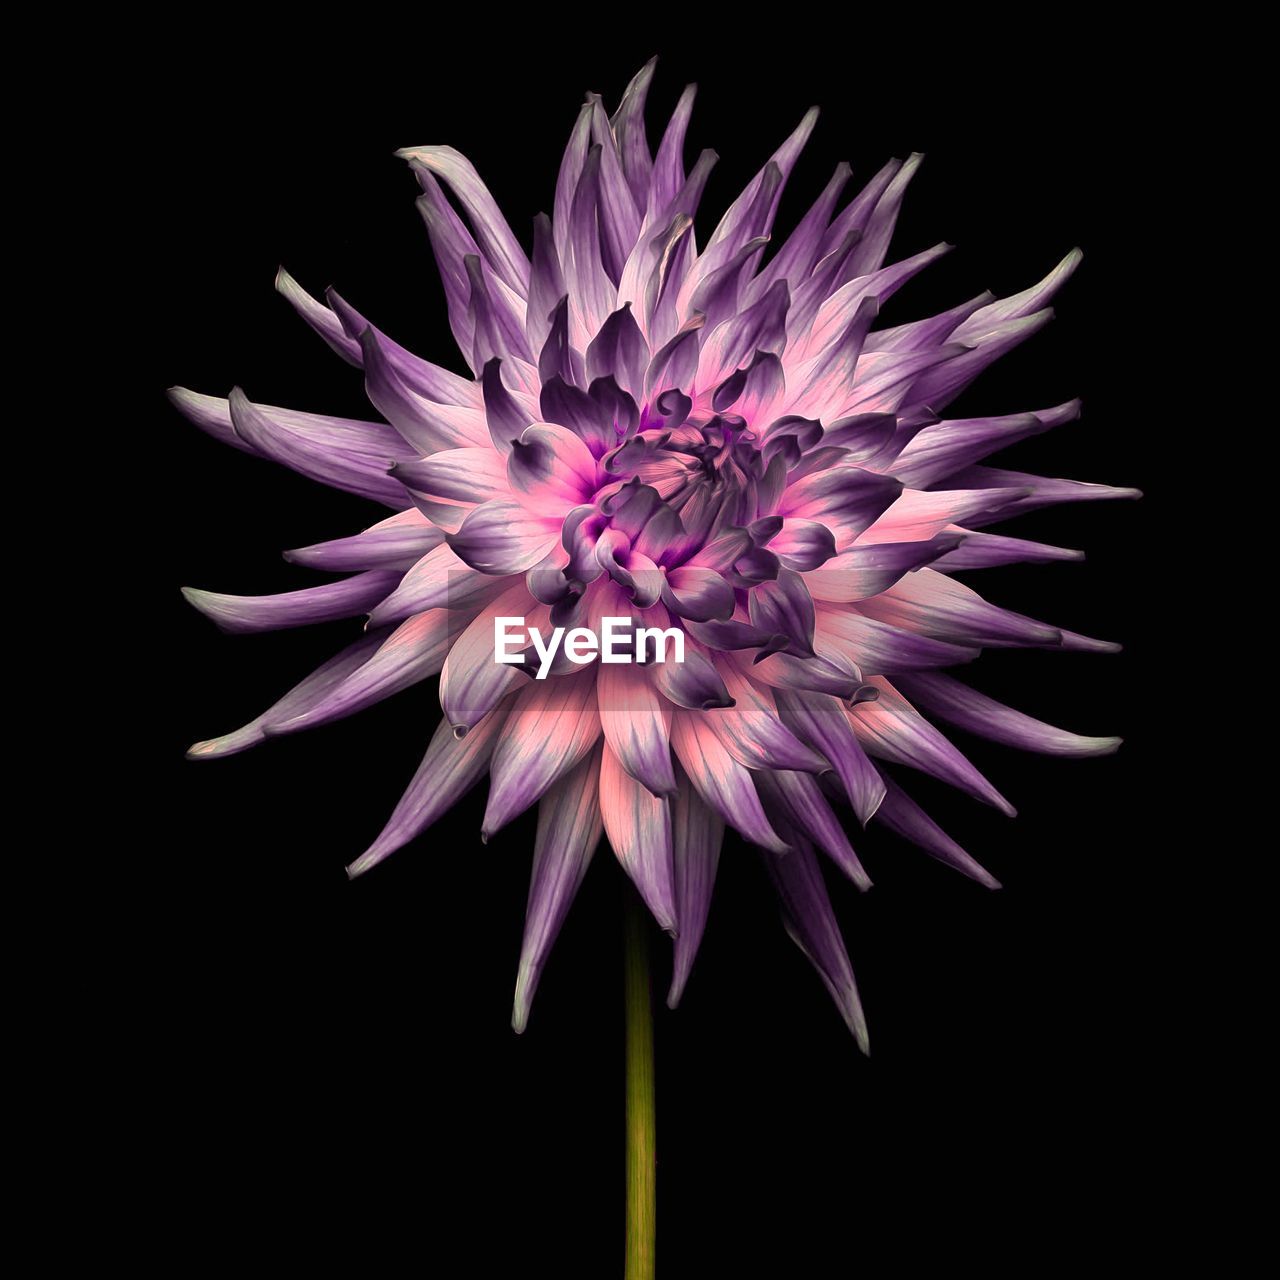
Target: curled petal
{"points": [[501, 249], [697, 593], [845, 499], [694, 683], [346, 454], [503, 537], [803, 545], [784, 607], [552, 468]]}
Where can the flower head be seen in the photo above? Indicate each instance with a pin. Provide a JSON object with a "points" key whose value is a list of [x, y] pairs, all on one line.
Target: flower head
{"points": [[716, 440]]}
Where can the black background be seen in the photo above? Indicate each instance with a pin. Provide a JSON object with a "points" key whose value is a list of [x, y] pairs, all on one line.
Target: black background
{"points": [[314, 1041]]}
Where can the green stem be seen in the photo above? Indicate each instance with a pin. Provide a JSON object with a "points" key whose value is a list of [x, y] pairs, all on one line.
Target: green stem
{"points": [[641, 1164]]}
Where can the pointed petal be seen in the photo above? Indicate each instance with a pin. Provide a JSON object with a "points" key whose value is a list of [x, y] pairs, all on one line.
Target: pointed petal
{"points": [[880, 647], [890, 728], [439, 581], [932, 604], [447, 772], [638, 825], [300, 699], [821, 720], [751, 731], [903, 816], [473, 681], [636, 722], [811, 924], [970, 710], [414, 652], [569, 829], [865, 571], [344, 599], [397, 542], [800, 812], [552, 726], [724, 784], [696, 835]]}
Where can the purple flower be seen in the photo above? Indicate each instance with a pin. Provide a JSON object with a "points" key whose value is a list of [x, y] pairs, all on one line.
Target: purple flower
{"points": [[714, 441]]}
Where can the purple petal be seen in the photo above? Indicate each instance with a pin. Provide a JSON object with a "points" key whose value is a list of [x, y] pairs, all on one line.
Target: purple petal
{"points": [[799, 809], [502, 537], [878, 647], [619, 349], [890, 728], [628, 127], [438, 581], [941, 450], [811, 924], [720, 780], [751, 731], [427, 425], [694, 683], [696, 835], [447, 772], [412, 653], [301, 698], [903, 816], [397, 542], [821, 720], [784, 607], [637, 725], [501, 249], [569, 829], [1038, 491], [968, 709], [552, 726], [865, 571], [638, 825], [344, 599], [341, 452], [934, 605], [472, 681], [987, 550]]}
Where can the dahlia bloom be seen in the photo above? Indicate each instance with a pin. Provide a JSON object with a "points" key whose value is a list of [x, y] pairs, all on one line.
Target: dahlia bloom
{"points": [[716, 439]]}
